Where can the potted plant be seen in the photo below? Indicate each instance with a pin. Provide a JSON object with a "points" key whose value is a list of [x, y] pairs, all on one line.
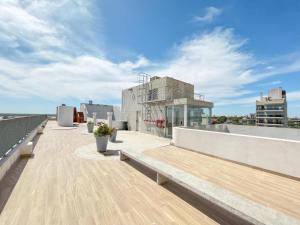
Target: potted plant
{"points": [[102, 134], [90, 126], [113, 135]]}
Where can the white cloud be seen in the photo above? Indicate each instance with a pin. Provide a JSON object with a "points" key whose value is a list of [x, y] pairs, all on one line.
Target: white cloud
{"points": [[58, 61], [271, 83], [62, 64], [85, 77], [293, 96], [249, 101], [281, 65], [214, 63], [210, 14], [19, 28]]}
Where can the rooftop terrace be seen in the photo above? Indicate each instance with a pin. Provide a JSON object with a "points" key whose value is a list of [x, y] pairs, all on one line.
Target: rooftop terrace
{"points": [[69, 182]]}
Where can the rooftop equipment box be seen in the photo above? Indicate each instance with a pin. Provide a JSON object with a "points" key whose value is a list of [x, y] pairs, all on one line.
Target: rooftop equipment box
{"points": [[65, 116]]}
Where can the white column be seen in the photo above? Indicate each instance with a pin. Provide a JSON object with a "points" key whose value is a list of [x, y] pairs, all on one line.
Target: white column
{"points": [[210, 114], [95, 118], [185, 123], [109, 119], [173, 116]]}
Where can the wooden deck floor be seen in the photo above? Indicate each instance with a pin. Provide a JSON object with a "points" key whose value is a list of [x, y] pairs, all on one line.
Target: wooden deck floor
{"points": [[271, 190], [58, 187]]}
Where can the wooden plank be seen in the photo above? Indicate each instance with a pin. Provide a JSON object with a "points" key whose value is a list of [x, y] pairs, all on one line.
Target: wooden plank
{"points": [[58, 187], [233, 203], [268, 189]]}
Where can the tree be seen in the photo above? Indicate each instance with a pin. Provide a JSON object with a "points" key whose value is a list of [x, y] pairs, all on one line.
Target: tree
{"points": [[222, 119]]}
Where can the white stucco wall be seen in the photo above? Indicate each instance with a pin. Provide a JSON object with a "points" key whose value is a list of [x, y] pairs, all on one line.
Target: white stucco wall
{"points": [[65, 116], [278, 155]]}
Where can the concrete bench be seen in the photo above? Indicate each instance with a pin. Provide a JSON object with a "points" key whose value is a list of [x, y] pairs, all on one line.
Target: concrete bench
{"points": [[240, 206], [27, 149]]}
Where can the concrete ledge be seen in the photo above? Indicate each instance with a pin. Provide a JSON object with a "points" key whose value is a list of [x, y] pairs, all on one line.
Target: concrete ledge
{"points": [[238, 205]]}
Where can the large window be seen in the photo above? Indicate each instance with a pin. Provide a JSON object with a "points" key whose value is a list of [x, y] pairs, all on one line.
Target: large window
{"points": [[270, 107], [174, 118], [197, 116], [153, 94]]}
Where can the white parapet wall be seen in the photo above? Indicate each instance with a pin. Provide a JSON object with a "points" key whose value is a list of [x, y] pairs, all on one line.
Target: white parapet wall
{"points": [[277, 155], [24, 148]]}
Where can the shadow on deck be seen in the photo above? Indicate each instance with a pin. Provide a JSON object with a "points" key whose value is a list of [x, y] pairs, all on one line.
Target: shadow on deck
{"points": [[214, 212], [12, 176]]}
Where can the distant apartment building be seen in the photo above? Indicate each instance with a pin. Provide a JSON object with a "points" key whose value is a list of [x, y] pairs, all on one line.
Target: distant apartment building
{"points": [[101, 110], [157, 104], [271, 111]]}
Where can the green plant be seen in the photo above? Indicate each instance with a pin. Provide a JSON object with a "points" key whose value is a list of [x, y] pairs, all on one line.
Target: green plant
{"points": [[102, 130], [221, 119]]}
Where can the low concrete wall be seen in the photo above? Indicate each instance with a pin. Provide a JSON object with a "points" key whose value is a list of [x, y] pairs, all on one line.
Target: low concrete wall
{"points": [[15, 153], [278, 155], [271, 132]]}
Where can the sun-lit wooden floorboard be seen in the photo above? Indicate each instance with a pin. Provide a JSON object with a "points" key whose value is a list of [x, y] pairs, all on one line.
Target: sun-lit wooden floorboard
{"points": [[269, 189], [58, 187]]}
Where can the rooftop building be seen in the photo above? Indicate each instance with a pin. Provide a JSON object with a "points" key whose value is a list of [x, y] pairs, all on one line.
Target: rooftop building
{"points": [[157, 104], [271, 111], [101, 110]]}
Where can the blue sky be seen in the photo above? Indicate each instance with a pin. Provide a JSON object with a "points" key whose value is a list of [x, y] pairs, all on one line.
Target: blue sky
{"points": [[65, 51]]}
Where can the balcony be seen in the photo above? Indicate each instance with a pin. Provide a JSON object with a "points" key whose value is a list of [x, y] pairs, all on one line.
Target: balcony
{"points": [[270, 124], [269, 110], [270, 116], [69, 182]]}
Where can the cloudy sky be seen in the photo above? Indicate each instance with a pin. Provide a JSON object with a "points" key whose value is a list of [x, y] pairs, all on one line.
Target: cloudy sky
{"points": [[70, 51]]}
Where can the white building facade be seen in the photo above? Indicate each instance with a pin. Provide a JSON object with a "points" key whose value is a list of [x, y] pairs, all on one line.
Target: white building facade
{"points": [[158, 104], [271, 111]]}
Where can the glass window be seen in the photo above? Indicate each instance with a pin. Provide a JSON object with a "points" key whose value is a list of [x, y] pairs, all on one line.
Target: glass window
{"points": [[153, 94], [178, 115], [175, 115], [197, 116]]}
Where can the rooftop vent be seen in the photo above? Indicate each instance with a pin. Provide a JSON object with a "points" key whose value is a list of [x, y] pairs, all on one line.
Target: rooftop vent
{"points": [[90, 102]]}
